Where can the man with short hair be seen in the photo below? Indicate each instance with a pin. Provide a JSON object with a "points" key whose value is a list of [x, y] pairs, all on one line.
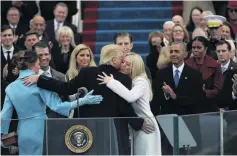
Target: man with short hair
{"points": [[229, 67], [177, 19], [60, 15], [31, 38], [44, 54], [124, 39], [167, 29], [8, 71]]}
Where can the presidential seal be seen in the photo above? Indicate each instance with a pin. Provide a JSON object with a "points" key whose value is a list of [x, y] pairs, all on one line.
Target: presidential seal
{"points": [[78, 139]]}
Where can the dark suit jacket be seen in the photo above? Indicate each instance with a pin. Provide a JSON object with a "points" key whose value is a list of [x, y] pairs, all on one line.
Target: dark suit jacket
{"points": [[189, 92], [212, 77], [10, 78], [51, 32], [59, 63], [111, 106], [27, 10], [225, 99], [47, 7], [21, 29]]}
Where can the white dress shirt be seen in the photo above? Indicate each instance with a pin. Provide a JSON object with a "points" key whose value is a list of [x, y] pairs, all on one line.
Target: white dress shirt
{"points": [[46, 73], [225, 66], [180, 69], [4, 50], [56, 25], [13, 26]]}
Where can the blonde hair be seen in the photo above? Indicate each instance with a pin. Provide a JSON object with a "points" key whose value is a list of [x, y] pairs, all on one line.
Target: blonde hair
{"points": [[138, 69], [109, 52], [74, 70], [65, 30]]}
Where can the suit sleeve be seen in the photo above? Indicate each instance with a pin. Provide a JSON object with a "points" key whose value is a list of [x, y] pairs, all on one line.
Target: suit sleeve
{"points": [[6, 115], [126, 109], [64, 88], [217, 84]]}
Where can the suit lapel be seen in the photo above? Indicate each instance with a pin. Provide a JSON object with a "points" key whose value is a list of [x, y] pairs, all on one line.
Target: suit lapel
{"points": [[183, 77], [170, 77]]}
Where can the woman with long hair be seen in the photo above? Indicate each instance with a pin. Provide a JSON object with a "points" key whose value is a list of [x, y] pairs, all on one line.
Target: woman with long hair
{"points": [[81, 57], [194, 19], [139, 96], [29, 103]]}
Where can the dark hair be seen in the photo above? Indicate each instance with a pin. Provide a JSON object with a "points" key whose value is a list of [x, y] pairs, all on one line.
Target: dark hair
{"points": [[190, 26], [41, 44], [122, 34], [6, 27], [221, 42], [202, 39], [23, 59], [28, 33], [232, 34]]}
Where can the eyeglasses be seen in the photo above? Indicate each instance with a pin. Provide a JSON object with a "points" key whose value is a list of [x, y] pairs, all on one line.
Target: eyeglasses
{"points": [[178, 31], [232, 10]]}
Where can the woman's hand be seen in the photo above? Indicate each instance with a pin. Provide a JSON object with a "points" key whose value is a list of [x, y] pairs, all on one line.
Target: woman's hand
{"points": [[29, 80], [105, 79], [90, 99]]}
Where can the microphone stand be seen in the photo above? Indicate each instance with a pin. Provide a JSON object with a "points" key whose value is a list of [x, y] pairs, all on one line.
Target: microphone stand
{"points": [[78, 110]]}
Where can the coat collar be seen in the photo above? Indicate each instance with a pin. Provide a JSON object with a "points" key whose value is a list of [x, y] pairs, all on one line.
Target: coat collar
{"points": [[25, 73], [208, 62]]}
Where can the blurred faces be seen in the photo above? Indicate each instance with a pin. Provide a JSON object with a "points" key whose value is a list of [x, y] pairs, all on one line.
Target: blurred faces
{"points": [[196, 17], [36, 67], [125, 43], [44, 57], [13, 16], [223, 53], [225, 32], [232, 13], [65, 39], [7, 38], [156, 40], [118, 60], [30, 41], [215, 33], [167, 28], [38, 24], [177, 54], [60, 14], [178, 33], [126, 66], [198, 49], [83, 58], [178, 20]]}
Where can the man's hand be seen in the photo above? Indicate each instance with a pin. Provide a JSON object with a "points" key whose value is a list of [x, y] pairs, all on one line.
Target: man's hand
{"points": [[5, 71], [168, 91], [13, 149], [148, 126]]}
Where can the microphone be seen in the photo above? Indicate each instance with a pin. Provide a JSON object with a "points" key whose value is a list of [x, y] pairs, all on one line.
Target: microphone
{"points": [[81, 92]]}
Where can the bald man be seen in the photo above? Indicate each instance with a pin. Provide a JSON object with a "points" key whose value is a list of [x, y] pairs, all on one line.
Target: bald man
{"points": [[178, 19], [38, 25], [167, 29]]}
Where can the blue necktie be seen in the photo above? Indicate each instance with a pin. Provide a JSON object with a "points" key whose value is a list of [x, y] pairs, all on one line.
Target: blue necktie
{"points": [[176, 77]]}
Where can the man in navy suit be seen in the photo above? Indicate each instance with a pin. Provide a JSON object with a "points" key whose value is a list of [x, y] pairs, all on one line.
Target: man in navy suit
{"points": [[178, 88]]}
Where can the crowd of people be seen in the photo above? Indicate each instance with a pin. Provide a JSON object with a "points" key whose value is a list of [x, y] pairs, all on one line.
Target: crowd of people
{"points": [[190, 69]]}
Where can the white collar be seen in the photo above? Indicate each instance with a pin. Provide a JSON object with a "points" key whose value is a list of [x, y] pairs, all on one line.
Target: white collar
{"points": [[180, 68], [4, 50], [13, 26], [47, 71], [226, 65], [56, 23]]}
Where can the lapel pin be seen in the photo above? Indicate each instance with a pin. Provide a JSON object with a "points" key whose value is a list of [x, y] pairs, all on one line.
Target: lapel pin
{"points": [[186, 78]]}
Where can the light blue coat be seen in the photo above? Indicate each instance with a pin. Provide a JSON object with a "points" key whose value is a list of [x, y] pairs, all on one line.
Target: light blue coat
{"points": [[30, 103]]}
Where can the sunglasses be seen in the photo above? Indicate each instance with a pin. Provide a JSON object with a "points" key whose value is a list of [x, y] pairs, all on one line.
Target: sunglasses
{"points": [[232, 10]]}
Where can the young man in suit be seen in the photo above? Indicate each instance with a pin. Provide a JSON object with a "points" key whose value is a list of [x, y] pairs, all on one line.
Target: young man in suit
{"points": [[43, 52], [60, 15], [229, 68], [8, 71], [178, 88], [112, 105]]}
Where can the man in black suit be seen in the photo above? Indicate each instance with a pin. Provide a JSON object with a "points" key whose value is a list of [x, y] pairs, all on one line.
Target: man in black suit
{"points": [[13, 18], [178, 88], [60, 15], [27, 10], [8, 71], [229, 68], [112, 105]]}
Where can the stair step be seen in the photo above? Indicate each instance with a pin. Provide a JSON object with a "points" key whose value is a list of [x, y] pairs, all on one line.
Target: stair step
{"points": [[129, 13], [123, 24], [108, 35]]}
